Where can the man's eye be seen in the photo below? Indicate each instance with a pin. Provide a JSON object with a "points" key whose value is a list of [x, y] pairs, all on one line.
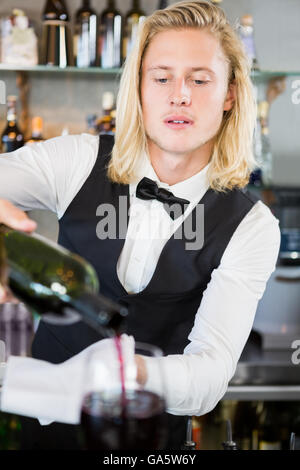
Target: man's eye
{"points": [[161, 80], [200, 82]]}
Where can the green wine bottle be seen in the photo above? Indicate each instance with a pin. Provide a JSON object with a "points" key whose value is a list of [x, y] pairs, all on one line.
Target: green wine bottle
{"points": [[57, 284]]}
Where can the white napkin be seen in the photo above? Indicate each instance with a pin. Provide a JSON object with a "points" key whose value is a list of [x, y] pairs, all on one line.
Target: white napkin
{"points": [[54, 392]]}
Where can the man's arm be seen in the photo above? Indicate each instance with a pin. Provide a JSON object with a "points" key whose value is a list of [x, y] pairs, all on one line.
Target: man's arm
{"points": [[197, 380], [47, 175]]}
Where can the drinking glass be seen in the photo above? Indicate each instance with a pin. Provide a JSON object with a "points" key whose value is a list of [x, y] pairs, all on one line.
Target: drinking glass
{"points": [[123, 417]]}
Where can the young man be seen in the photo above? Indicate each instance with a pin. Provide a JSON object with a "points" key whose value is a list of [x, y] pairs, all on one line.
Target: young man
{"points": [[185, 120]]}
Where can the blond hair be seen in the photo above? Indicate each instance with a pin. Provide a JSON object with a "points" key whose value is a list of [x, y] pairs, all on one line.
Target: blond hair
{"points": [[232, 157]]}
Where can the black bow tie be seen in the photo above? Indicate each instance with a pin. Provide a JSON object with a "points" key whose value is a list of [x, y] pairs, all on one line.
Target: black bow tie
{"points": [[148, 189]]}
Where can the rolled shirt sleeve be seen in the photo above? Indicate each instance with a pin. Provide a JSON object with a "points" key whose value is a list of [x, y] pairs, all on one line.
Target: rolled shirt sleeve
{"points": [[198, 379]]}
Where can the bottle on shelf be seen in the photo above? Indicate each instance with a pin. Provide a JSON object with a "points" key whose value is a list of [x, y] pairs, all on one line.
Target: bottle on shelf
{"points": [[246, 33], [246, 425], [12, 137], [295, 424], [110, 37], [133, 20], [85, 37], [266, 152], [57, 47], [162, 4], [269, 428], [263, 174], [48, 278], [37, 131], [106, 123]]}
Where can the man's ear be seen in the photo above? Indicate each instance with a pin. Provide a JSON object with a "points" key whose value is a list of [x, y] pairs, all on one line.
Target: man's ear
{"points": [[230, 97]]}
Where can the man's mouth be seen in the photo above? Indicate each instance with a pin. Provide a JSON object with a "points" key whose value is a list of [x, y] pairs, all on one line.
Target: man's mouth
{"points": [[178, 122]]}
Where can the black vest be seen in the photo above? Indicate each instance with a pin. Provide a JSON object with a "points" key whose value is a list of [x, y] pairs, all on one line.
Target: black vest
{"points": [[163, 313]]}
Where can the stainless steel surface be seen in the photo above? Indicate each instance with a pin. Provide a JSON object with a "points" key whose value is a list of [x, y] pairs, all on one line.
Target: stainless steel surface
{"points": [[264, 393], [278, 312], [264, 375]]}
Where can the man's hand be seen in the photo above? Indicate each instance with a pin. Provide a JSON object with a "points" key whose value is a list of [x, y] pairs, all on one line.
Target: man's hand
{"points": [[13, 217], [141, 370]]}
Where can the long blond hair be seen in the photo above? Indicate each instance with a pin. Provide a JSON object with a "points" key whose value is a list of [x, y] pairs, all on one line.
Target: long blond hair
{"points": [[232, 158]]}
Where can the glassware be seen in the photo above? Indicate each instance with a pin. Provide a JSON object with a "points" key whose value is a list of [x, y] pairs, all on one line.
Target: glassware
{"points": [[123, 417]]}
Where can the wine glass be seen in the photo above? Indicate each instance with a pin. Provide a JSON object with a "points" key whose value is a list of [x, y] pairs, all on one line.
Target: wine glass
{"points": [[118, 413]]}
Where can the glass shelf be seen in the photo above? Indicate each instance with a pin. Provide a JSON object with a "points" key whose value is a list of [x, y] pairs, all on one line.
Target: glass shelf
{"points": [[265, 75], [260, 75], [52, 69]]}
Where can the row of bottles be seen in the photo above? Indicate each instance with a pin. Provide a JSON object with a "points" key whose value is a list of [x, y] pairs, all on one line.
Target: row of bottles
{"points": [[105, 41], [256, 425], [12, 137]]}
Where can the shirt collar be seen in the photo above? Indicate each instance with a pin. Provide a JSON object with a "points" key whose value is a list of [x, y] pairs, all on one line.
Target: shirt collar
{"points": [[191, 189]]}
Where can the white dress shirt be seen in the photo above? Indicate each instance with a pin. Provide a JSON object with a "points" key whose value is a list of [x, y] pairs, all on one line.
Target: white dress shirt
{"points": [[48, 175]]}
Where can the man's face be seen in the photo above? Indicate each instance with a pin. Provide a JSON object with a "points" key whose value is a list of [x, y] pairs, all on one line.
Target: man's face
{"points": [[184, 78]]}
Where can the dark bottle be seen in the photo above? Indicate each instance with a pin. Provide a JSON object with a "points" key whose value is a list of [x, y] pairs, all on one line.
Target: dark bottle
{"points": [[110, 37], [269, 429], [57, 47], [162, 4], [49, 278], [295, 423], [11, 138], [133, 20], [245, 425], [85, 38]]}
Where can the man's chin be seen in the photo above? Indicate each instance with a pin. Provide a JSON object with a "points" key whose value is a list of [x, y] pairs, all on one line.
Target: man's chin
{"points": [[177, 146]]}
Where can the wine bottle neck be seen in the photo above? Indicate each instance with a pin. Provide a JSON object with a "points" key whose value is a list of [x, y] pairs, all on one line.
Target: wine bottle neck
{"points": [[135, 4], [86, 3], [100, 313], [11, 112], [111, 5]]}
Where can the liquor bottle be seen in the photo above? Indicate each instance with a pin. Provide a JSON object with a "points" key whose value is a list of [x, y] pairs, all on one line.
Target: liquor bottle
{"points": [[263, 174], [57, 48], [162, 4], [269, 430], [246, 33], [48, 278], [11, 138], [133, 20], [110, 37], [37, 131], [105, 124], [85, 38], [295, 423], [246, 425], [266, 152]]}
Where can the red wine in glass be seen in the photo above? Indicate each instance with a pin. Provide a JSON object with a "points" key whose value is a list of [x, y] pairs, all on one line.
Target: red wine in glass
{"points": [[108, 425]]}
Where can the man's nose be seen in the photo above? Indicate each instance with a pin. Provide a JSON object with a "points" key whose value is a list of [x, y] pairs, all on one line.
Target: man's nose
{"points": [[180, 95]]}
